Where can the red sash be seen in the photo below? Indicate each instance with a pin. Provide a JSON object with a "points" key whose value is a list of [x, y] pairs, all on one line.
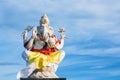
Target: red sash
{"points": [[44, 51]]}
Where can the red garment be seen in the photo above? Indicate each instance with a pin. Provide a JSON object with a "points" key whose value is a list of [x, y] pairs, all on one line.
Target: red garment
{"points": [[44, 51], [57, 40]]}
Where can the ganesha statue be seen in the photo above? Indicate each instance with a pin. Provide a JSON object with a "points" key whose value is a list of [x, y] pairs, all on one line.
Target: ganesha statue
{"points": [[43, 51]]}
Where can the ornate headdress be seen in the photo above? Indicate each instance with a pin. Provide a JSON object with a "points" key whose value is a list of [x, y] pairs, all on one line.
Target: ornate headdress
{"points": [[44, 20]]}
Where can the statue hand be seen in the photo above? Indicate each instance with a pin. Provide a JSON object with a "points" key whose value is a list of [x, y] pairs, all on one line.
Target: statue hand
{"points": [[24, 34], [34, 33], [62, 36]]}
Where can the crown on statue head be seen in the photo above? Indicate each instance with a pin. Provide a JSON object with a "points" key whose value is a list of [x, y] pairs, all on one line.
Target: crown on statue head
{"points": [[44, 19]]}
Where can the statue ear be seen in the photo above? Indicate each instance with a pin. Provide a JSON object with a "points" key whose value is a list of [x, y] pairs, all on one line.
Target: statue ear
{"points": [[51, 31]]}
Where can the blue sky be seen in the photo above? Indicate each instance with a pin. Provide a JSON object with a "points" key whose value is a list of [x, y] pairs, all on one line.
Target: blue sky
{"points": [[92, 26]]}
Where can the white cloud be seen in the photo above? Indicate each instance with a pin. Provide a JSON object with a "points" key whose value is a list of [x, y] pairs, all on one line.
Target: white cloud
{"points": [[10, 35], [115, 73], [84, 20], [78, 29], [97, 67], [75, 49], [97, 7], [105, 73]]}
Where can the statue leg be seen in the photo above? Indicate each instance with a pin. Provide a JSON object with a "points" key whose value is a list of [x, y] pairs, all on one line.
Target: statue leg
{"points": [[25, 56], [62, 55], [55, 65], [26, 71], [48, 71], [30, 67], [61, 58]]}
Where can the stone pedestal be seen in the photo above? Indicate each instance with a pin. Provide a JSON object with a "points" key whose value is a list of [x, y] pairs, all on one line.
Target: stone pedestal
{"points": [[42, 78]]}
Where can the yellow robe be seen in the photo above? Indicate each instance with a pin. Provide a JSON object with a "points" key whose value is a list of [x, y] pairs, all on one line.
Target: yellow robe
{"points": [[42, 60]]}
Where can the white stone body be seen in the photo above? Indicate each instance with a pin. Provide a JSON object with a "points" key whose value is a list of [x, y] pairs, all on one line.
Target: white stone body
{"points": [[46, 32]]}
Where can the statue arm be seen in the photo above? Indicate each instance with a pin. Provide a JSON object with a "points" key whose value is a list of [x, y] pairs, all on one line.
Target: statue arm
{"points": [[60, 42], [24, 34], [28, 45]]}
